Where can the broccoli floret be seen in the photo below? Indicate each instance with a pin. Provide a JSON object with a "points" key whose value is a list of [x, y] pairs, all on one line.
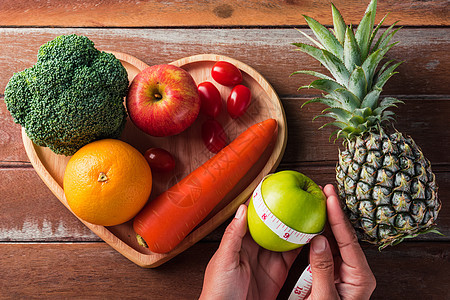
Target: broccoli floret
{"points": [[72, 96]]}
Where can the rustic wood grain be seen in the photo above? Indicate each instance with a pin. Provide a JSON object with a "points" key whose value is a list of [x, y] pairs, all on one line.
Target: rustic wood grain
{"points": [[424, 52], [422, 118], [131, 13], [31, 213], [11, 146], [406, 271], [45, 252], [95, 270], [401, 271], [48, 220]]}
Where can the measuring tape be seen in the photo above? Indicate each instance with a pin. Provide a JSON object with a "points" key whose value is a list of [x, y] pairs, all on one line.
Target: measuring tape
{"points": [[304, 283], [276, 225]]}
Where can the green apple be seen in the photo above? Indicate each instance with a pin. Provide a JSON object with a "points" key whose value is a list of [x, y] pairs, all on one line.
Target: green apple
{"points": [[296, 201]]}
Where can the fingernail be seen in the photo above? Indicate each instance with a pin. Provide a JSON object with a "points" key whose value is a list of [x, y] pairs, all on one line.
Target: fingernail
{"points": [[319, 244], [240, 212]]}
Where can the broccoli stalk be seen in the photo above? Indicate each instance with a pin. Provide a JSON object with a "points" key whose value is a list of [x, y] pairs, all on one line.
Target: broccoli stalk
{"points": [[72, 96]]}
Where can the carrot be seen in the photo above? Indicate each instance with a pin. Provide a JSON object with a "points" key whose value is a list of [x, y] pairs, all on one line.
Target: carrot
{"points": [[165, 221]]}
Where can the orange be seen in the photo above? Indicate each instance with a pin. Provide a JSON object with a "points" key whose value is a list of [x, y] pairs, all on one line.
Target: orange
{"points": [[107, 182]]}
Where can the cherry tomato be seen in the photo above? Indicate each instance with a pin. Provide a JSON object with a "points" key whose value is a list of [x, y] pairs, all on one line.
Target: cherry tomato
{"points": [[226, 73], [159, 160], [211, 101], [238, 101], [214, 136]]}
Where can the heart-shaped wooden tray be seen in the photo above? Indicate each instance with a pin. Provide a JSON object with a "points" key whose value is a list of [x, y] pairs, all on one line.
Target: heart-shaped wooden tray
{"points": [[189, 151]]}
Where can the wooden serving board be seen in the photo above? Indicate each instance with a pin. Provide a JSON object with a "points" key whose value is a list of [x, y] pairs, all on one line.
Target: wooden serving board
{"points": [[189, 152]]}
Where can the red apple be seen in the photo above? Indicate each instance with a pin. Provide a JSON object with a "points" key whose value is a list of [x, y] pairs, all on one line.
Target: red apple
{"points": [[163, 100]]}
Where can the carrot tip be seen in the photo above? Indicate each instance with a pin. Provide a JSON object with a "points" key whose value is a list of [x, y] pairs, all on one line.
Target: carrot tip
{"points": [[141, 241]]}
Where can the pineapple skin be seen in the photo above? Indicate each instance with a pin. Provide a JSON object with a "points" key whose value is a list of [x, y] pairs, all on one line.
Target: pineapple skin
{"points": [[388, 186], [386, 182]]}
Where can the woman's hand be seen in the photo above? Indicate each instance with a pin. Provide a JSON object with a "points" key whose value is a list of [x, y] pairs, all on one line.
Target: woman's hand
{"points": [[241, 269]]}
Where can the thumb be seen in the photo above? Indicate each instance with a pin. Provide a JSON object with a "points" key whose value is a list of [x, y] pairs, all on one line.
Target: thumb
{"points": [[231, 243], [322, 269]]}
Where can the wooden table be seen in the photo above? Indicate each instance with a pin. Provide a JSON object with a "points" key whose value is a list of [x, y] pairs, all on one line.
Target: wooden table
{"points": [[45, 252]]}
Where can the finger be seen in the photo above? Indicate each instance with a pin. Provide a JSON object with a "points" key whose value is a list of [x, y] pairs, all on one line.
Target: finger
{"points": [[328, 233], [343, 231], [231, 243], [322, 269]]}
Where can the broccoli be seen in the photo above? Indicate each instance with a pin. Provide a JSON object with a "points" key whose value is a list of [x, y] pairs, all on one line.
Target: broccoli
{"points": [[72, 96]]}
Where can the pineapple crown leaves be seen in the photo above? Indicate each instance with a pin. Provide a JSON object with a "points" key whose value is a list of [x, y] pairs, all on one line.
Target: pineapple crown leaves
{"points": [[352, 93]]}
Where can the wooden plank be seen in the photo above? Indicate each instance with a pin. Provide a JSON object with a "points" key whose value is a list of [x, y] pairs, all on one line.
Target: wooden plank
{"points": [[411, 271], [211, 13], [405, 271], [11, 146], [422, 118], [269, 51], [30, 213], [94, 270], [48, 220]]}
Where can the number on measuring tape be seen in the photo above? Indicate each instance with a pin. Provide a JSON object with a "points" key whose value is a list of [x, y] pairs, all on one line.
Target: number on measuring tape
{"points": [[277, 226], [303, 285]]}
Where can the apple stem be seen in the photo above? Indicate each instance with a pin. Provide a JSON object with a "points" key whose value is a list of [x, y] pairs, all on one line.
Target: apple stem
{"points": [[157, 96]]}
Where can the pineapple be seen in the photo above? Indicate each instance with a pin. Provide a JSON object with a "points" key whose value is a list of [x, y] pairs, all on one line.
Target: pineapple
{"points": [[387, 184]]}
